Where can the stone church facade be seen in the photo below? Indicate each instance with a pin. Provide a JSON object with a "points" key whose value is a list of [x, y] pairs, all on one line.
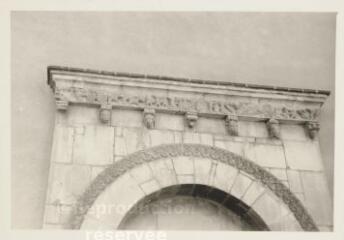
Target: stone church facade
{"points": [[134, 151]]}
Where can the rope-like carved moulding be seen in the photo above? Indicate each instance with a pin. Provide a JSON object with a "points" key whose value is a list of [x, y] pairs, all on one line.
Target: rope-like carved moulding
{"points": [[149, 118], [191, 119], [313, 129], [105, 113], [232, 125], [111, 173], [273, 128]]}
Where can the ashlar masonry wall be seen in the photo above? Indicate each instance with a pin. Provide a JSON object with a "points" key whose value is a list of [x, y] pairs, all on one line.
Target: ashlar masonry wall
{"points": [[86, 142]]}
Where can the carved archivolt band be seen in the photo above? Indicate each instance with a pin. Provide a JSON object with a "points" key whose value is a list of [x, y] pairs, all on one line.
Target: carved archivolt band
{"points": [[114, 171]]}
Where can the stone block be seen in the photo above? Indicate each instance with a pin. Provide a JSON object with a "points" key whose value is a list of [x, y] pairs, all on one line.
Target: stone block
{"points": [[317, 197], [294, 180], [253, 192], [169, 121], [68, 183], [159, 137], [95, 147], [83, 115], [120, 146], [183, 165], [186, 179], [271, 210], [202, 170], [126, 118], [63, 144], [269, 156], [150, 186], [191, 137], [241, 184], [293, 132], [224, 177], [303, 155], [206, 139], [211, 125], [141, 173], [163, 171], [252, 129], [134, 140], [178, 137]]}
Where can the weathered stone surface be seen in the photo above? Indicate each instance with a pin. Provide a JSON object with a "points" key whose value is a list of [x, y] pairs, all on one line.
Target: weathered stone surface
{"points": [[126, 118], [294, 180], [142, 173], [269, 156], [224, 177], [253, 192], [52, 214], [202, 170], [206, 139], [159, 137], [68, 183], [191, 137], [95, 147], [111, 206], [281, 174], [170, 121], [150, 186], [209, 125], [82, 115], [293, 132], [317, 197], [135, 139], [271, 210], [63, 144], [241, 183], [164, 172], [253, 129], [303, 155], [183, 165]]}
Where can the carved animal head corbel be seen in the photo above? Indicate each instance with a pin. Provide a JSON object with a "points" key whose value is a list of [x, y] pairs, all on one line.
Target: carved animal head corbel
{"points": [[105, 113], [313, 129], [149, 118], [232, 125], [191, 119], [273, 128]]}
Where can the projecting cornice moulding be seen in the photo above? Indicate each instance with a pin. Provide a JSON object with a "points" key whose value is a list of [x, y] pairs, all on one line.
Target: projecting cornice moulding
{"points": [[184, 96]]}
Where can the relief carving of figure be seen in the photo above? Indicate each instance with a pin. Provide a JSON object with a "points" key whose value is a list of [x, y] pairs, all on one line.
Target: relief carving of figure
{"points": [[232, 125]]}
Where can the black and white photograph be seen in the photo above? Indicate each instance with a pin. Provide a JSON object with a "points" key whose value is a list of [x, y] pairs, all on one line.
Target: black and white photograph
{"points": [[136, 124]]}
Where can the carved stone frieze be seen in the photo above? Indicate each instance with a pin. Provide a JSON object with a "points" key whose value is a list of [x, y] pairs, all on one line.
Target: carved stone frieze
{"points": [[232, 125], [273, 128], [149, 118], [111, 173], [179, 104], [191, 119]]}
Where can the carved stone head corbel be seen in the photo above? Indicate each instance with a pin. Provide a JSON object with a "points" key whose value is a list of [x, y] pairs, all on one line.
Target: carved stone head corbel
{"points": [[149, 118], [105, 113], [62, 105], [232, 125], [191, 119], [273, 128], [313, 129]]}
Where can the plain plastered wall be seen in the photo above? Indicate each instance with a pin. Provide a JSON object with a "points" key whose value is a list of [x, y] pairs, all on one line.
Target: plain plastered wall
{"points": [[281, 49]]}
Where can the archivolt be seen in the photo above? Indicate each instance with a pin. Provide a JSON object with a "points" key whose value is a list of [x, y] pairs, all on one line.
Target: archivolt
{"points": [[114, 171]]}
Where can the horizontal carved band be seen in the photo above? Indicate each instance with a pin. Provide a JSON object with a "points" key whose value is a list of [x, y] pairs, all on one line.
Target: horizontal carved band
{"points": [[179, 104]]}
